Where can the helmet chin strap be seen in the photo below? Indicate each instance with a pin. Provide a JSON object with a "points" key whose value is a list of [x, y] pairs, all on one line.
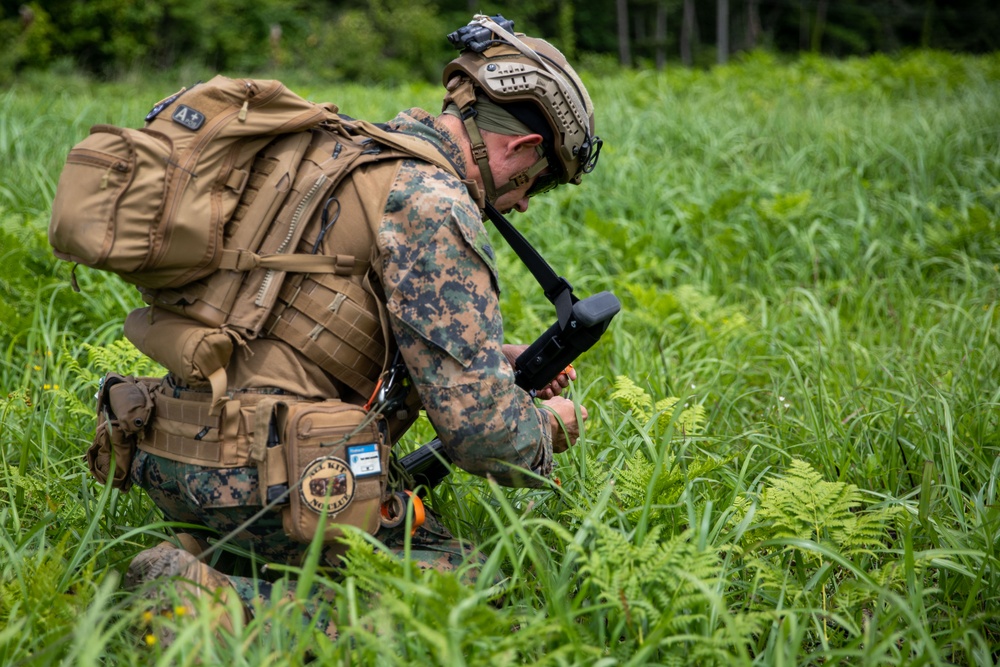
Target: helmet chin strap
{"points": [[464, 98]]}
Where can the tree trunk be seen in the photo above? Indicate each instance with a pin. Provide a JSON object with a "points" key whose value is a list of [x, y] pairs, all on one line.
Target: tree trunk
{"points": [[687, 34], [661, 34], [753, 24], [816, 42], [722, 31], [624, 51], [803, 25], [925, 33]]}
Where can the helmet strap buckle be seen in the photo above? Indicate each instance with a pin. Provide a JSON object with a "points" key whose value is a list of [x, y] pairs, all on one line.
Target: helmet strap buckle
{"points": [[520, 178]]}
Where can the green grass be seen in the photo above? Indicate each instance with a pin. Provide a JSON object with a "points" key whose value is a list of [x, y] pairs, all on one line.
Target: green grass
{"points": [[807, 257]]}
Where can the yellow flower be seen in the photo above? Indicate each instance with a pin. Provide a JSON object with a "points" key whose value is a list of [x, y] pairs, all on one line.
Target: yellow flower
{"points": [[179, 610], [46, 387], [37, 367], [150, 640], [147, 616]]}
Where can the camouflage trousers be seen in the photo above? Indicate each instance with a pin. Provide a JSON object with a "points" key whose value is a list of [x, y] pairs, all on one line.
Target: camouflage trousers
{"points": [[220, 500]]}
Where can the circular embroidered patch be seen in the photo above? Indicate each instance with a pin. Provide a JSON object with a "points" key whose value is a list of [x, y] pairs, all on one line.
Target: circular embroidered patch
{"points": [[327, 481]]}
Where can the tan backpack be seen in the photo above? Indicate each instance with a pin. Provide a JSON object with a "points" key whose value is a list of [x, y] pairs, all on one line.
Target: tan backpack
{"points": [[212, 184], [150, 204], [202, 209]]}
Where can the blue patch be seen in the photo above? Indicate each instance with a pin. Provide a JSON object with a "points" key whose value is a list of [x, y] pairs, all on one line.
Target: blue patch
{"points": [[190, 118], [364, 460]]}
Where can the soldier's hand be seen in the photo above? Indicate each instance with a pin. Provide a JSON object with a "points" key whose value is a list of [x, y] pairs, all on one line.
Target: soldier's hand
{"points": [[562, 419], [554, 388]]}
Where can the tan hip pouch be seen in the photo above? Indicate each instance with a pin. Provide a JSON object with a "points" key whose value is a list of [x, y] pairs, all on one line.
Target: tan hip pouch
{"points": [[124, 410], [326, 458]]}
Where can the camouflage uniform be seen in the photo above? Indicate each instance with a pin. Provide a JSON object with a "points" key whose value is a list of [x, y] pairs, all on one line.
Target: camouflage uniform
{"points": [[438, 275], [440, 280]]}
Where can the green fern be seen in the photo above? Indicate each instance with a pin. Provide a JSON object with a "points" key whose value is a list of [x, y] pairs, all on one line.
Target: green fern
{"points": [[802, 505], [42, 497], [653, 582], [632, 397], [689, 421], [636, 400], [598, 474], [122, 357], [632, 481]]}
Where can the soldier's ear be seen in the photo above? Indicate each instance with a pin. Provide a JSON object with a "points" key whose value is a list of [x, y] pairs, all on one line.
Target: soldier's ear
{"points": [[516, 144]]}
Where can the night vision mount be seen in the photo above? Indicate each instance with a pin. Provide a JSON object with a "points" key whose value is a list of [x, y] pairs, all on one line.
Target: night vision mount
{"points": [[478, 38]]}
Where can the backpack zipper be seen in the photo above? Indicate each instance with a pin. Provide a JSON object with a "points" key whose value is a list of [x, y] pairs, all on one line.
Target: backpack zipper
{"points": [[94, 159], [194, 154], [293, 224]]}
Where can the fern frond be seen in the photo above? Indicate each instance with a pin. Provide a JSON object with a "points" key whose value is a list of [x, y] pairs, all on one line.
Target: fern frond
{"points": [[598, 476], [689, 421], [122, 357], [632, 481], [802, 505], [653, 582], [632, 397]]}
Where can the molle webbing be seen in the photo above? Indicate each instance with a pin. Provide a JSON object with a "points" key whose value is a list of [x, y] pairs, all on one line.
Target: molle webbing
{"points": [[183, 428], [317, 303], [334, 322], [213, 299]]}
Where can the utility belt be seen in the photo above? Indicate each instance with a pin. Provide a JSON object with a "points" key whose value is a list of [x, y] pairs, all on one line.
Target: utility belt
{"points": [[312, 457]]}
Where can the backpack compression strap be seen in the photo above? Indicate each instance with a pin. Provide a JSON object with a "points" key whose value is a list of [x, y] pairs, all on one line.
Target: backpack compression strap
{"points": [[244, 260]]}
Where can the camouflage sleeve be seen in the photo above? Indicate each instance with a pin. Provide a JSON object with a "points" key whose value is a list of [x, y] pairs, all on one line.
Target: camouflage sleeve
{"points": [[441, 288]]}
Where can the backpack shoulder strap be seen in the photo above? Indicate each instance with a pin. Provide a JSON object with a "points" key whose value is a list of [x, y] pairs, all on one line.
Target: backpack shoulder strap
{"points": [[420, 149], [406, 143]]}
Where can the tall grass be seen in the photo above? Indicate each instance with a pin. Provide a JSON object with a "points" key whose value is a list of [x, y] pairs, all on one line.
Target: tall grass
{"points": [[792, 456]]}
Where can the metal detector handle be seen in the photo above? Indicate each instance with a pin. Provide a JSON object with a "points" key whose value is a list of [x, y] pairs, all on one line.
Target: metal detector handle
{"points": [[559, 346]]}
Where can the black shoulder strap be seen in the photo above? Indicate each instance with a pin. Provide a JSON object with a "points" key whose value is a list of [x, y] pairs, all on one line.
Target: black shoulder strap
{"points": [[557, 289]]}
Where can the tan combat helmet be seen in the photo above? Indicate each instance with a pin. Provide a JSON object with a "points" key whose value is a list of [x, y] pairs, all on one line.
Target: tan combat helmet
{"points": [[530, 79]]}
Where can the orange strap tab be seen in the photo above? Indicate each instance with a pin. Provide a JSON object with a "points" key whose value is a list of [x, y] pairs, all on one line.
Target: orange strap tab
{"points": [[418, 512]]}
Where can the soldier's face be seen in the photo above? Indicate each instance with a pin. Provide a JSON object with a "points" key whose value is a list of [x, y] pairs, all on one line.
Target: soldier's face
{"points": [[518, 156]]}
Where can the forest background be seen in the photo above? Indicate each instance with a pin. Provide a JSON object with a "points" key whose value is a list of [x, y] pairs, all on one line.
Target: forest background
{"points": [[379, 41], [792, 455]]}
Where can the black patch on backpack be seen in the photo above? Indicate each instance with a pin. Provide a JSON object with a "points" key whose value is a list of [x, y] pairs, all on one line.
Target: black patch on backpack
{"points": [[188, 117]]}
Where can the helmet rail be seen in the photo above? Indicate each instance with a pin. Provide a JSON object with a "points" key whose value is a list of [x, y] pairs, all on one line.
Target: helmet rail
{"points": [[512, 69]]}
